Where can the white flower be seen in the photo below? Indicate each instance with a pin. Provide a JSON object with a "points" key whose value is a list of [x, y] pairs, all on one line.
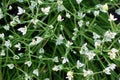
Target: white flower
{"points": [[51, 26], [104, 8], [112, 66], [11, 66], [117, 11], [34, 21], [96, 13], [107, 70], [57, 68], [41, 50], [78, 1], [74, 34], [65, 60], [40, 57], [59, 18], [74, 37], [87, 72], [97, 43], [60, 67], [84, 46], [87, 23], [20, 11], [20, 54], [10, 7], [68, 44], [2, 35], [113, 50], [28, 63], [112, 53], [119, 41], [111, 18], [59, 40], [11, 37], [38, 39], [45, 10], [76, 29], [23, 30], [59, 2], [90, 55], [33, 4], [18, 45], [36, 72], [1, 14], [80, 23], [109, 35], [55, 59], [95, 36], [6, 27], [60, 8], [16, 57], [69, 75], [27, 77], [119, 77], [79, 64], [81, 15], [15, 21], [84, 49], [33, 42], [8, 43], [68, 15], [2, 53]]}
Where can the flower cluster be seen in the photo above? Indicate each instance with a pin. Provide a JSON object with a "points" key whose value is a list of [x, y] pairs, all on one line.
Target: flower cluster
{"points": [[109, 68], [89, 53], [59, 39]]}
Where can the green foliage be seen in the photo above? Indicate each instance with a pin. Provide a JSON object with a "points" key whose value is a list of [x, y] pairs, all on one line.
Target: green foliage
{"points": [[59, 40]]}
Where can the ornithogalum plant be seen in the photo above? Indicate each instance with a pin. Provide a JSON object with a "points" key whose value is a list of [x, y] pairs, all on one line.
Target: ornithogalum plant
{"points": [[59, 40]]}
